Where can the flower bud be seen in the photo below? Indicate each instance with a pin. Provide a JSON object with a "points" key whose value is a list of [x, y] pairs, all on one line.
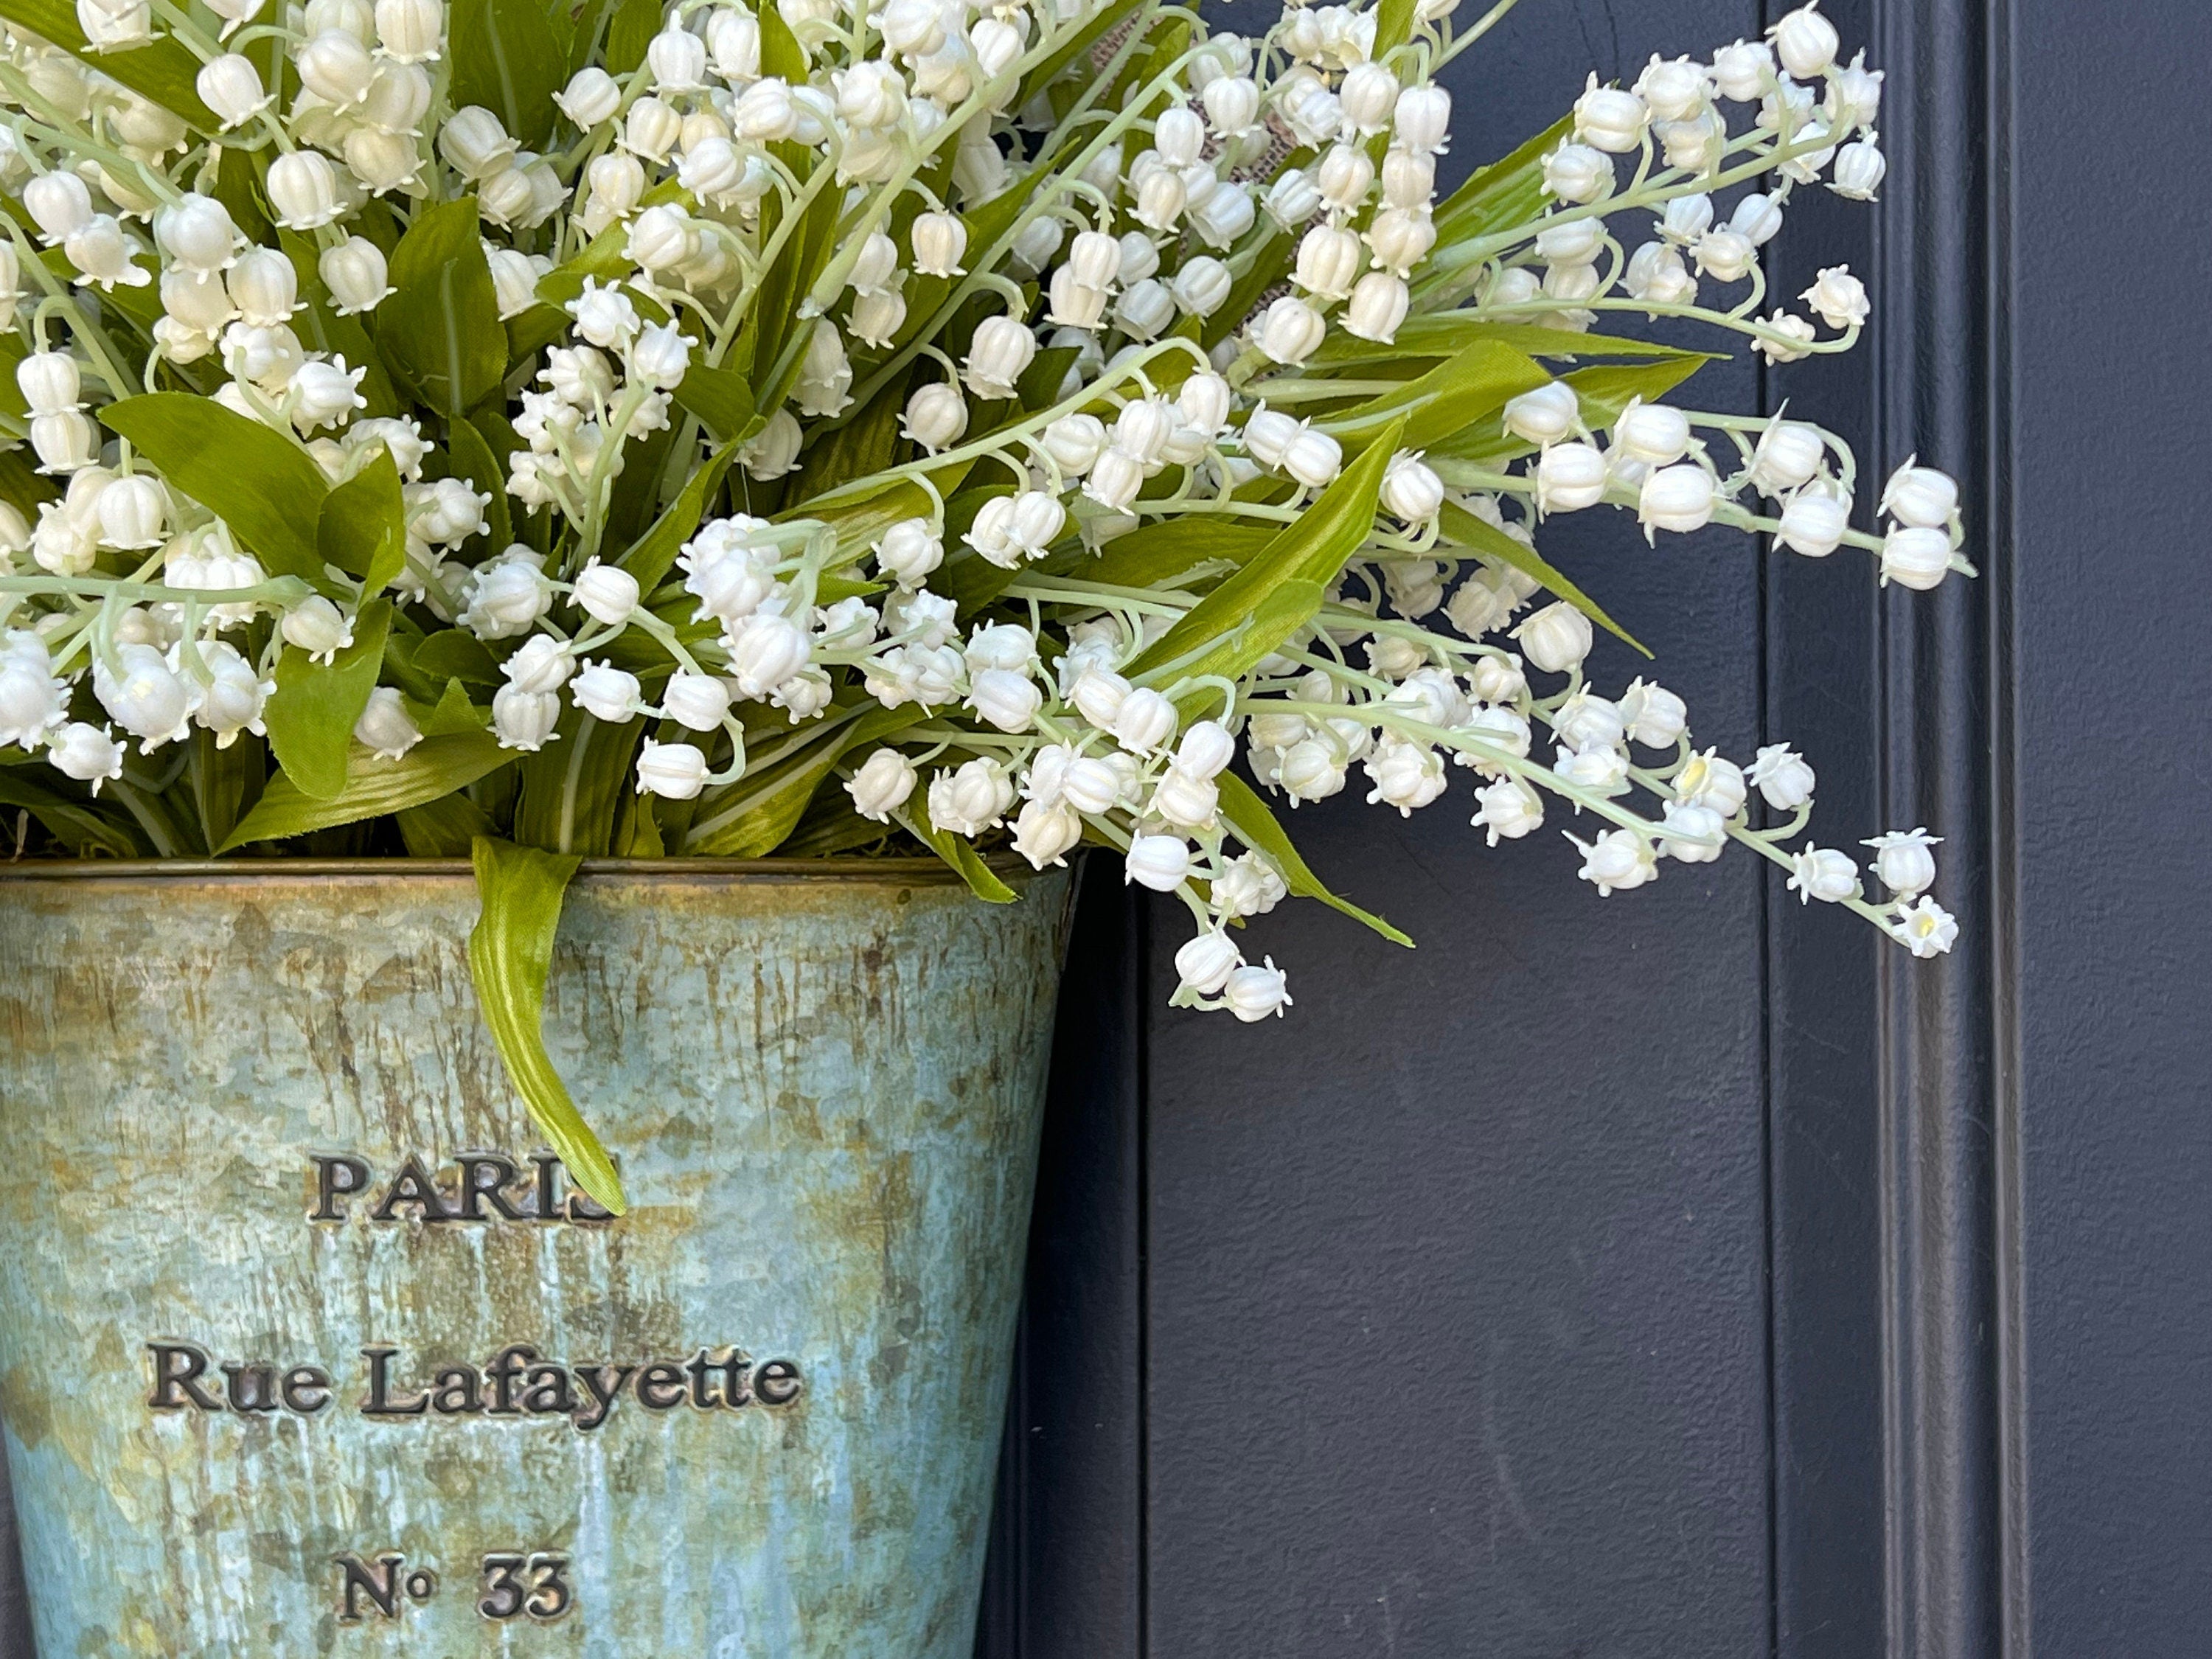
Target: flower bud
{"points": [[147, 698], [410, 31], [1314, 458], [882, 785], [1254, 993], [939, 241], [1676, 498], [1411, 490], [1146, 310], [1568, 477], [1903, 861], [697, 701], [132, 513], [1292, 200], [63, 442], [606, 693], [317, 627], [1379, 303], [673, 771], [763, 112], [1653, 432], [524, 719], [1232, 104], [1291, 330], [1075, 442], [1783, 777], [1145, 721], [385, 726], [1206, 751], [1920, 497], [1814, 523], [1744, 71], [336, 68], [652, 128], [909, 552], [1859, 170], [1329, 262], [506, 198], [677, 59], [1610, 120], [1916, 558], [765, 650], [303, 188], [591, 97], [325, 394], [60, 203], [937, 416], [1556, 638], [85, 753], [1696, 834], [1159, 862], [1422, 120], [231, 87], [1002, 348], [1838, 297], [1823, 873], [971, 799], [1369, 94], [1204, 965], [50, 382], [474, 143], [1788, 455], [1805, 41]]}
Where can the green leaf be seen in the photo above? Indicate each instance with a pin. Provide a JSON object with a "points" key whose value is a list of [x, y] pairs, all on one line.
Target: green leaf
{"points": [[434, 767], [510, 955], [312, 716], [507, 58], [1393, 27], [1459, 391], [164, 71], [21, 485], [752, 819], [255, 480], [1441, 333], [723, 400], [473, 460], [1271, 263], [964, 858], [636, 22], [1509, 191], [440, 333], [1247, 815], [83, 828], [443, 829], [1159, 552], [780, 54], [1277, 592], [362, 528], [1458, 526], [450, 655], [652, 556], [573, 788]]}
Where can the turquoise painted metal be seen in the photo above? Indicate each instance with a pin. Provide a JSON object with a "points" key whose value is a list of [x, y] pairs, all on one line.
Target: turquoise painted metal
{"points": [[301, 1353]]}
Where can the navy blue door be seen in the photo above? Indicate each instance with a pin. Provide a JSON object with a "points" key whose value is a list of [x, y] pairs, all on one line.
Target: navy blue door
{"points": [[1682, 1273]]}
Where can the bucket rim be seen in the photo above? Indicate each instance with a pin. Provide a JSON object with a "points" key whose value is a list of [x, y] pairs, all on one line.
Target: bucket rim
{"points": [[898, 871]]}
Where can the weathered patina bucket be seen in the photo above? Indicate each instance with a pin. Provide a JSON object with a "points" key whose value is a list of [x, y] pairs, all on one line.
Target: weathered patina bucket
{"points": [[306, 1349]]}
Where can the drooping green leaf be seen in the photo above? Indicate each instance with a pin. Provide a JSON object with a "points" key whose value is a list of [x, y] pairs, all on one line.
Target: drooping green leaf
{"points": [[506, 58], [780, 54], [982, 880], [164, 71], [1458, 527], [85, 828], [452, 713], [1248, 816], [1393, 27], [510, 957], [440, 333], [257, 480], [434, 767], [223, 779], [652, 556], [362, 526], [312, 716], [1278, 589], [862, 446], [21, 485], [723, 400]]}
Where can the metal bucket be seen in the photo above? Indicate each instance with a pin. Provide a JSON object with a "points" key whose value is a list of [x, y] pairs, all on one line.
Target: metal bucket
{"points": [[303, 1351]]}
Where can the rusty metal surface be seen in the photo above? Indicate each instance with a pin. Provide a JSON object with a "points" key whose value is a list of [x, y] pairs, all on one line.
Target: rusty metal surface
{"points": [[824, 1093]]}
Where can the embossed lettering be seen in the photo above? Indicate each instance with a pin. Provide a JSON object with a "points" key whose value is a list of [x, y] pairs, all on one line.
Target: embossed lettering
{"points": [[660, 1387], [413, 1185], [602, 1391], [306, 1389], [776, 1383], [380, 1403], [334, 1178], [177, 1367], [487, 1175], [454, 1391], [252, 1388]]}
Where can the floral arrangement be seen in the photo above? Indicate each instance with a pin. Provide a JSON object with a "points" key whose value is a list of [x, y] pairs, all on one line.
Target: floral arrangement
{"points": [[532, 432]]}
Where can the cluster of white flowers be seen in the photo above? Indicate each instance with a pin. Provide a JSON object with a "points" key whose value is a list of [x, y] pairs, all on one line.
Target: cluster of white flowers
{"points": [[1039, 276]]}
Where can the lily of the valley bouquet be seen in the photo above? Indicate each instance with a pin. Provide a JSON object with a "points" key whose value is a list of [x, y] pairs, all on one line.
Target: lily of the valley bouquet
{"points": [[656, 430]]}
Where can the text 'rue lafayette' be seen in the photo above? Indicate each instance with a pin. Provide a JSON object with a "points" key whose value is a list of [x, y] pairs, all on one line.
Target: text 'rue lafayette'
{"points": [[516, 1383]]}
